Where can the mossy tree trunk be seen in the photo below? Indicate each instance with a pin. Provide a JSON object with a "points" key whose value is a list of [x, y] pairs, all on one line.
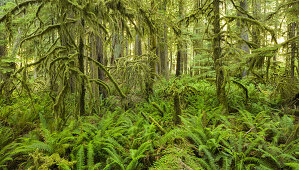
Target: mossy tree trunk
{"points": [[220, 76], [243, 32], [255, 29], [117, 48], [196, 43], [293, 49], [81, 68], [163, 45], [181, 42], [179, 71], [138, 44], [152, 59], [100, 59], [176, 97], [152, 64], [93, 66]]}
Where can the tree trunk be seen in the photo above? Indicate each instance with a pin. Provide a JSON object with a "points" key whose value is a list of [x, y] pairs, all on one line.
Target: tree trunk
{"points": [[93, 66], [117, 44], [181, 46], [220, 79], [179, 65], [171, 62], [196, 43], [100, 59], [138, 45], [243, 32], [81, 68], [163, 46], [293, 49], [255, 29], [152, 63]]}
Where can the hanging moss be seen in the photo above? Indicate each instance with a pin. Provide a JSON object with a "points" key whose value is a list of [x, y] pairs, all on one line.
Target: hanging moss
{"points": [[109, 76]]}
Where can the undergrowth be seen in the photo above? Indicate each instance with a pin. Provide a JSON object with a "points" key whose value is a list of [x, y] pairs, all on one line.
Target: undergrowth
{"points": [[256, 134]]}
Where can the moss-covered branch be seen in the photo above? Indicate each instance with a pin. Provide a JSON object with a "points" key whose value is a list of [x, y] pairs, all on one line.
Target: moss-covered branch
{"points": [[102, 67], [152, 120], [158, 108], [255, 22], [101, 83], [46, 30], [18, 7]]}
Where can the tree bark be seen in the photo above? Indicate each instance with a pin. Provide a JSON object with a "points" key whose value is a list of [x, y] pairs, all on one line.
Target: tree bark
{"points": [[196, 43], [93, 66], [152, 63], [220, 77], [100, 59], [163, 46], [138, 45], [81, 68], [255, 29], [243, 32], [293, 49], [117, 44]]}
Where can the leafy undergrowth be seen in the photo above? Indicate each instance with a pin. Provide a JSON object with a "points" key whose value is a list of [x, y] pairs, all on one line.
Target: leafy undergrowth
{"points": [[256, 134]]}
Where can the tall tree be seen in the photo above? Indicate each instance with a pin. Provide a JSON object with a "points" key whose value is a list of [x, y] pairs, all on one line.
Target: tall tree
{"points": [[81, 68], [243, 30], [152, 56], [163, 43], [138, 42], [100, 59], [255, 29], [293, 48], [197, 45], [180, 50], [220, 76]]}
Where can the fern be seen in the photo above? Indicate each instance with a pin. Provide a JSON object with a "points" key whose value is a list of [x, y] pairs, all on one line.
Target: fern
{"points": [[209, 156], [205, 164], [137, 154], [64, 166], [41, 146], [43, 122], [294, 165], [90, 156], [267, 154], [115, 157], [226, 163], [80, 158], [253, 145]]}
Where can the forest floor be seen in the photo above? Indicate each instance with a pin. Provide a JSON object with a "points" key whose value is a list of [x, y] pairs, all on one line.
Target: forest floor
{"points": [[259, 132]]}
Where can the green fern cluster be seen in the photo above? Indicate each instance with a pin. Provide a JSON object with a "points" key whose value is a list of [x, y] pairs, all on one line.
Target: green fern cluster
{"points": [[144, 137]]}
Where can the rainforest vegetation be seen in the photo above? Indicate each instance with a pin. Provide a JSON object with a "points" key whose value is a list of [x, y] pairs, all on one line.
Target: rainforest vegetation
{"points": [[149, 84]]}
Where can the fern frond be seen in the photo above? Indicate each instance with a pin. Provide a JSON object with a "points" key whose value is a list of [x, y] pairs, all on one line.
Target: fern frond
{"points": [[80, 158], [294, 165], [64, 166], [204, 164], [284, 156], [115, 157], [43, 122], [252, 145], [227, 163], [267, 154], [209, 156], [142, 148], [116, 145], [41, 146], [90, 156], [137, 154]]}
